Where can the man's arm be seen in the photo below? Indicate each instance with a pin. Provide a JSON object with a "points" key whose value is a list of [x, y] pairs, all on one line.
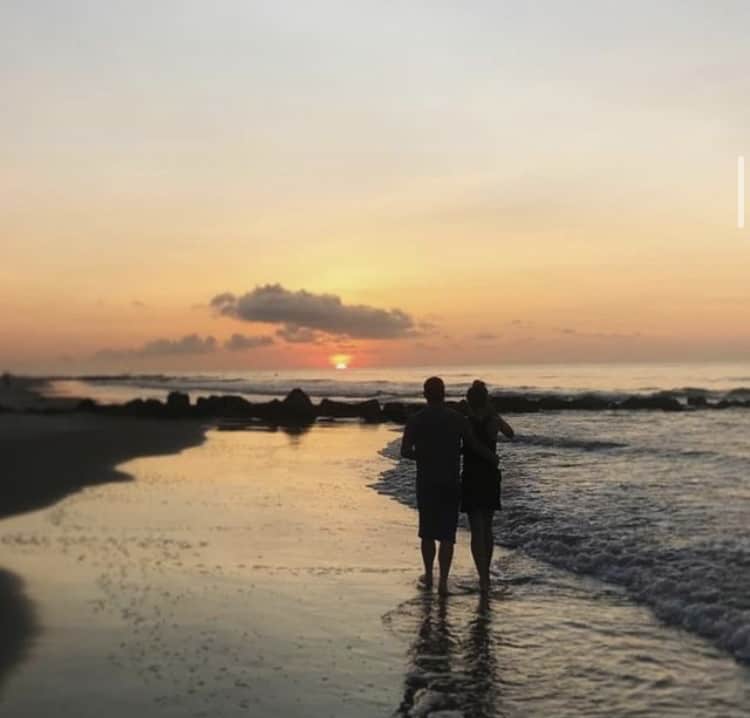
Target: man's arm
{"points": [[467, 435], [408, 450]]}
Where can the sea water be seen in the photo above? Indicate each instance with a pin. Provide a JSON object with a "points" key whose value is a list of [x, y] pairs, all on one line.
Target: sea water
{"points": [[656, 503]]}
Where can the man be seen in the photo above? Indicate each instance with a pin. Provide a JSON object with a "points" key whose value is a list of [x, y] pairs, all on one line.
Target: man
{"points": [[434, 437]]}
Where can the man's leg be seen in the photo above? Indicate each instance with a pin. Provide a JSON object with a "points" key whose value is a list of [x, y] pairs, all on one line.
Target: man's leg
{"points": [[445, 557], [428, 557]]}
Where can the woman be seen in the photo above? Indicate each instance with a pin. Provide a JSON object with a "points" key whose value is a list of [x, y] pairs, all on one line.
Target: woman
{"points": [[480, 485]]}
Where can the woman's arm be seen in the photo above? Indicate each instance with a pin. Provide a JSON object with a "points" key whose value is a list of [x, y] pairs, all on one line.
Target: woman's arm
{"points": [[505, 427]]}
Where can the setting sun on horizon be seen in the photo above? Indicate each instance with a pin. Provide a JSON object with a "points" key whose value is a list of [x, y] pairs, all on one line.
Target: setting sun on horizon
{"points": [[341, 361]]}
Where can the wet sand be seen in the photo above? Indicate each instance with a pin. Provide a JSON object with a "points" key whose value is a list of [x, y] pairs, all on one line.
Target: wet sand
{"points": [[258, 574]]}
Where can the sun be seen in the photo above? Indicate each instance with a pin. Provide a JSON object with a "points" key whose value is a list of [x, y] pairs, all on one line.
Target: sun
{"points": [[340, 361]]}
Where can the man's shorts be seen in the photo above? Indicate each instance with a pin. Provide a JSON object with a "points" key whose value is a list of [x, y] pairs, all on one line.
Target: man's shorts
{"points": [[439, 521]]}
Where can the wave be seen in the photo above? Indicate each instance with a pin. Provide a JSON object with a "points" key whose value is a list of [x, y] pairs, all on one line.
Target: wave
{"points": [[689, 574], [563, 442], [703, 588]]}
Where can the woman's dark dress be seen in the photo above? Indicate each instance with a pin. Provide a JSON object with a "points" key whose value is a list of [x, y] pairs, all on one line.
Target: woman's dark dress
{"points": [[480, 480]]}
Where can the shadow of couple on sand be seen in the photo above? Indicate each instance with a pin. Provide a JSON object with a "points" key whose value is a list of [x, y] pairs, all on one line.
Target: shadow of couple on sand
{"points": [[453, 663]]}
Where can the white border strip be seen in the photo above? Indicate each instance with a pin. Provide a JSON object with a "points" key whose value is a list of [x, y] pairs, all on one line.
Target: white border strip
{"points": [[740, 192]]}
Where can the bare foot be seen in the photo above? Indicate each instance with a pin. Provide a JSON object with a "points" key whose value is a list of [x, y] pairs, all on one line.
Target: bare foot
{"points": [[443, 587], [425, 582]]}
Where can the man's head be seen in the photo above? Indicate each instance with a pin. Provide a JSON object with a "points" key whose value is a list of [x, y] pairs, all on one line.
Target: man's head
{"points": [[434, 390]]}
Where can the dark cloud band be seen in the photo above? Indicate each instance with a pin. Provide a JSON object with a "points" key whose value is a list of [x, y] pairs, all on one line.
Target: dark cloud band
{"points": [[273, 304]]}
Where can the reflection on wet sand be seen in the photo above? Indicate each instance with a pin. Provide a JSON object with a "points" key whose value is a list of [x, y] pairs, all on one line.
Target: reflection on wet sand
{"points": [[452, 662], [17, 622]]}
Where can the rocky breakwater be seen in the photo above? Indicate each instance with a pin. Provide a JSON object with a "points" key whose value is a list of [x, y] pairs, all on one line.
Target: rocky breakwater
{"points": [[297, 409]]}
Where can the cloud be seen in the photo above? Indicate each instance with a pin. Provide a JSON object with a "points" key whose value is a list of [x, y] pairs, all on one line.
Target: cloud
{"points": [[189, 344], [273, 304], [487, 336], [241, 342], [296, 334]]}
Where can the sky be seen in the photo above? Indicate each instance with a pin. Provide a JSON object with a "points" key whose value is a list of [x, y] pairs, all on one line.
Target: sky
{"points": [[197, 185]]}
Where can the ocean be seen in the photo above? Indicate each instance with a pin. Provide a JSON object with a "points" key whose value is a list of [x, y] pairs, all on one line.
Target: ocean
{"points": [[655, 503], [713, 380]]}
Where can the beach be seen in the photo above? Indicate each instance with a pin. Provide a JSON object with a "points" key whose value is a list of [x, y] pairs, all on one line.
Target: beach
{"points": [[263, 572]]}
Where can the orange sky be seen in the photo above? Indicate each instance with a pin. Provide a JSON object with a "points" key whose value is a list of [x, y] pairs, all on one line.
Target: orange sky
{"points": [[523, 184]]}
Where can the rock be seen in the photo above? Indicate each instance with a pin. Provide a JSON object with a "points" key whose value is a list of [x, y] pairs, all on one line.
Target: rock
{"points": [[268, 411], [513, 404], [151, 408], [178, 403], [297, 408], [370, 411], [398, 411], [663, 401], [367, 410], [730, 404], [590, 402], [227, 405], [88, 405], [553, 403]]}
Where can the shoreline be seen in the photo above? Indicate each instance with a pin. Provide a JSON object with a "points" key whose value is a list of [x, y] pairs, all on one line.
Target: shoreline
{"points": [[260, 572], [47, 458]]}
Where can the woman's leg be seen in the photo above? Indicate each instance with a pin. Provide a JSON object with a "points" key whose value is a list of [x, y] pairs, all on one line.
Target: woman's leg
{"points": [[489, 541], [477, 521]]}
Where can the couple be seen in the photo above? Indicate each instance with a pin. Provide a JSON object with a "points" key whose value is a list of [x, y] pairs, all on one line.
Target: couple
{"points": [[436, 436]]}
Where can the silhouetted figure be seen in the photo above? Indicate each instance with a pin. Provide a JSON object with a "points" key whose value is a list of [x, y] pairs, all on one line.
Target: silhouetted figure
{"points": [[434, 437], [480, 481]]}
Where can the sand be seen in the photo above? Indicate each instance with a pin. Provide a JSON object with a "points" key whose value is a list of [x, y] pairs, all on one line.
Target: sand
{"points": [[218, 581], [258, 573]]}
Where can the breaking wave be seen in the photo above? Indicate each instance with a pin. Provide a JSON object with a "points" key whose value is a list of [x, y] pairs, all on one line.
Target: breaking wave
{"points": [[659, 513]]}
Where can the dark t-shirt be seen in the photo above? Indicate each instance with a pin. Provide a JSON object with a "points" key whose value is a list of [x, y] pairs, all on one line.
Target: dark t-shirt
{"points": [[436, 433]]}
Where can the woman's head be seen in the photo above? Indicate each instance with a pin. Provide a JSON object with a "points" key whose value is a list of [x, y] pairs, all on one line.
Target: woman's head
{"points": [[477, 395]]}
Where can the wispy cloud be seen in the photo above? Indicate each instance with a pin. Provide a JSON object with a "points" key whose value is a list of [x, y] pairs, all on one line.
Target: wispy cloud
{"points": [[189, 344], [242, 342]]}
